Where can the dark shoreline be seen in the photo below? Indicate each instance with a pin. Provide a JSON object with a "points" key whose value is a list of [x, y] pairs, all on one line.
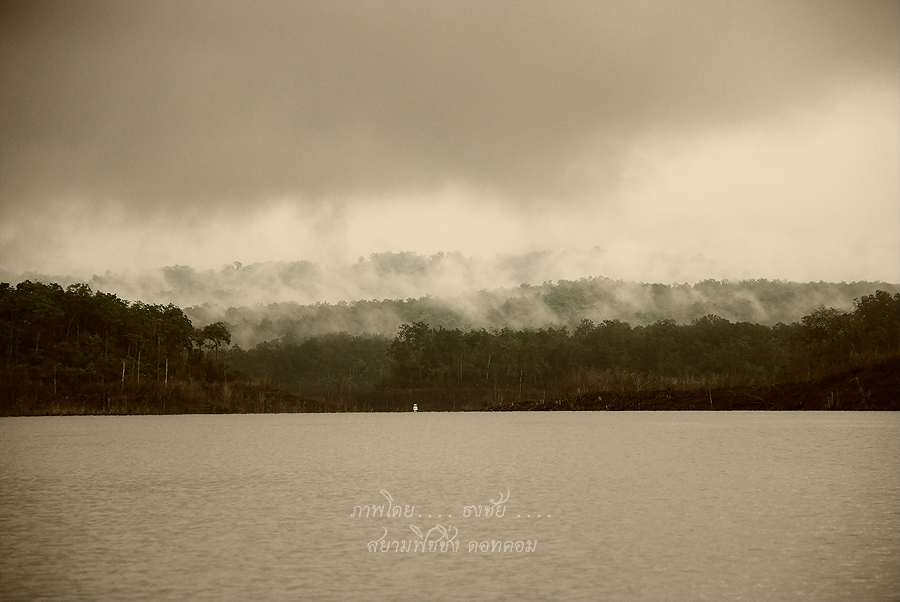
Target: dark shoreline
{"points": [[867, 388], [872, 387]]}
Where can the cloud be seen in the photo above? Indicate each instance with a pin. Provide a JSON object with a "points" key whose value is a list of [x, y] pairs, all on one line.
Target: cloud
{"points": [[167, 103], [812, 196], [200, 133]]}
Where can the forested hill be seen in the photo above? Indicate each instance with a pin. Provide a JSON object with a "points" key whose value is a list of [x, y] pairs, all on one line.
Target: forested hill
{"points": [[441, 368], [74, 350], [375, 295], [562, 303]]}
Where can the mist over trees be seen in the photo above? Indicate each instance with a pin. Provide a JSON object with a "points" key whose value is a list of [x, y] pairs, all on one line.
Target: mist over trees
{"points": [[488, 366], [375, 295], [477, 289], [562, 303], [380, 276], [467, 351]]}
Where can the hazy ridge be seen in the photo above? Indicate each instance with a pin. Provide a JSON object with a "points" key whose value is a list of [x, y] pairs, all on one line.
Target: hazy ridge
{"points": [[563, 303], [375, 295]]}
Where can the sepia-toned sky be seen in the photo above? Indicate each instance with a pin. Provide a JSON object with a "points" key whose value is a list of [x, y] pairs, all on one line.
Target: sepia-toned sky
{"points": [[681, 140]]}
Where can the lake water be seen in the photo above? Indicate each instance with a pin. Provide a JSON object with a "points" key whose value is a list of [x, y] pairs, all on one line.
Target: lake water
{"points": [[622, 506]]}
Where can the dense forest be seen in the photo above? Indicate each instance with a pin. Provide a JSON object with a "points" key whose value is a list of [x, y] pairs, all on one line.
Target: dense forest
{"points": [[375, 295], [561, 303], [75, 350], [476, 367]]}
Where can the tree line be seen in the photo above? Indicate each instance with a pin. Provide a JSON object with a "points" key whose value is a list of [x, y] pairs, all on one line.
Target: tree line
{"points": [[75, 343], [560, 303], [552, 361], [74, 350], [76, 334]]}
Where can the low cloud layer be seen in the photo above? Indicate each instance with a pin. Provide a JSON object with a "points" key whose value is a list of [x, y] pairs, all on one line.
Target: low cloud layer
{"points": [[736, 139]]}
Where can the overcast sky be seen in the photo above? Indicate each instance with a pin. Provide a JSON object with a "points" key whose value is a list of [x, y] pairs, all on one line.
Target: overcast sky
{"points": [[685, 140]]}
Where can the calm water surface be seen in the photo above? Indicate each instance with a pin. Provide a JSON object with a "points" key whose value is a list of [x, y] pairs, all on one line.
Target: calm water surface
{"points": [[623, 506]]}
